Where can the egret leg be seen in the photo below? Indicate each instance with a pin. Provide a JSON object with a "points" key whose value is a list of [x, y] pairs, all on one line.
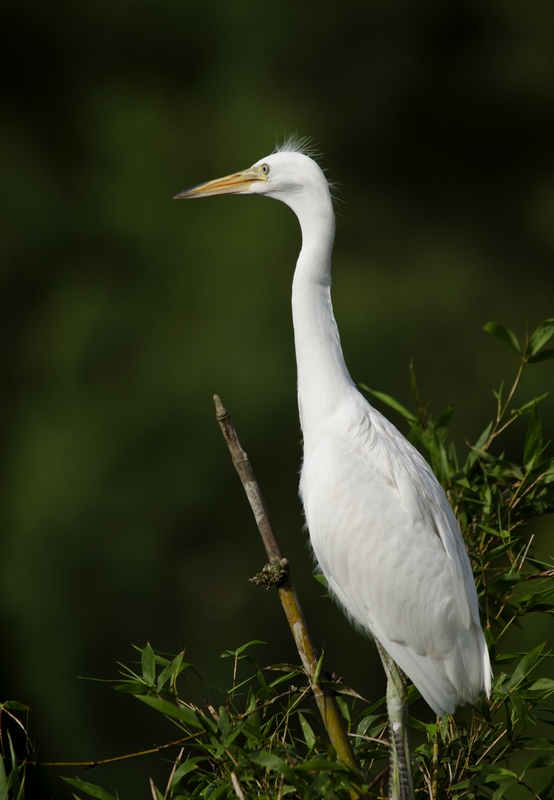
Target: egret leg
{"points": [[400, 781]]}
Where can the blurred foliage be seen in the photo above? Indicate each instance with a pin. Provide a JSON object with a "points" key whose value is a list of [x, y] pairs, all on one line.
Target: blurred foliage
{"points": [[121, 312], [262, 737]]}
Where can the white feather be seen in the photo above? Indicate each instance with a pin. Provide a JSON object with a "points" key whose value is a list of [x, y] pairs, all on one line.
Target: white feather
{"points": [[380, 525]]}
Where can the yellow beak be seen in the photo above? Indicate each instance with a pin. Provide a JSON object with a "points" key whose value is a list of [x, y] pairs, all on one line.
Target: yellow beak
{"points": [[238, 183]]}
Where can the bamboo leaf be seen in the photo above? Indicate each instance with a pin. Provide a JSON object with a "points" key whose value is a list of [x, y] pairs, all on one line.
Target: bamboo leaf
{"points": [[502, 789], [391, 402], [543, 685], [16, 785], [307, 731], [483, 438], [131, 687], [182, 713], [188, 766], [14, 705], [236, 653], [533, 440], [528, 407], [318, 669], [536, 763], [148, 661], [525, 666], [546, 791], [171, 672], [477, 449], [539, 337], [494, 770], [443, 422], [90, 788], [539, 744], [544, 355], [320, 578], [3, 781], [273, 763], [504, 334]]}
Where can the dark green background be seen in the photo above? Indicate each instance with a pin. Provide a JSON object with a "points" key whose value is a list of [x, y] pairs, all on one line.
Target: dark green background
{"points": [[123, 312]]}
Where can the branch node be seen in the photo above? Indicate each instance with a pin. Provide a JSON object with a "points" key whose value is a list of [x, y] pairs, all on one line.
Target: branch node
{"points": [[272, 574]]}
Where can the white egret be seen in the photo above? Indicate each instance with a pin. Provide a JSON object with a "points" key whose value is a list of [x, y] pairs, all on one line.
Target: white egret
{"points": [[381, 527]]}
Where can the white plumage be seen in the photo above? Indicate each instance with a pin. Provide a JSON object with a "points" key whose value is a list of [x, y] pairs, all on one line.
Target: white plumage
{"points": [[380, 525]]}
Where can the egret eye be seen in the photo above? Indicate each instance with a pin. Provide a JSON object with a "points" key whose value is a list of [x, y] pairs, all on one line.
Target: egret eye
{"points": [[265, 169]]}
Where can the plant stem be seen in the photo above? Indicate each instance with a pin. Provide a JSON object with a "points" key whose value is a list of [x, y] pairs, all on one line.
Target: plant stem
{"points": [[325, 699]]}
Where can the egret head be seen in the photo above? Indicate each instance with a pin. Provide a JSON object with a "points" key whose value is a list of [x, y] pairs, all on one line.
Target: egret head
{"points": [[287, 175]]}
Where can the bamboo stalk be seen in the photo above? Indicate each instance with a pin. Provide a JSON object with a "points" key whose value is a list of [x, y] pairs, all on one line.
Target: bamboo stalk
{"points": [[278, 573]]}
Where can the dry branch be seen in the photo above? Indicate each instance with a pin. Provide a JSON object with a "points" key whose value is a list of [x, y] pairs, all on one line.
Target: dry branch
{"points": [[325, 699]]}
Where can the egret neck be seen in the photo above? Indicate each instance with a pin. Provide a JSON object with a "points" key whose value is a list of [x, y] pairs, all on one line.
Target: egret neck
{"points": [[322, 373]]}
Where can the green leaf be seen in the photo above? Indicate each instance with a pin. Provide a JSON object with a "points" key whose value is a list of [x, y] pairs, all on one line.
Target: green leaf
{"points": [[253, 735], [429, 728], [538, 744], [489, 773], [131, 687], [188, 766], [504, 334], [476, 449], [14, 705], [182, 713], [320, 578], [484, 436], [342, 689], [502, 789], [537, 763], [461, 785], [525, 666], [538, 338], [274, 763], [318, 669], [544, 355], [501, 549], [391, 402], [16, 785], [90, 788], [412, 694], [533, 440], [543, 685], [240, 650], [443, 422], [148, 660], [528, 407], [365, 724], [224, 725], [171, 672], [494, 771], [159, 795], [546, 791], [3, 781], [307, 731], [345, 708]]}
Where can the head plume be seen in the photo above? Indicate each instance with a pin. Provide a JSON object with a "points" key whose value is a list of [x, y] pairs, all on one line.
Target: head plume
{"points": [[295, 143]]}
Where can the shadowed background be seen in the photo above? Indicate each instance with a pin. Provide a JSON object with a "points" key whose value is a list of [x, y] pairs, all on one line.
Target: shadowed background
{"points": [[123, 312]]}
